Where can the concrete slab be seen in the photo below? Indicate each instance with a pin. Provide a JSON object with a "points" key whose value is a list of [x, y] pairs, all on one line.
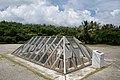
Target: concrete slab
{"points": [[77, 75]]}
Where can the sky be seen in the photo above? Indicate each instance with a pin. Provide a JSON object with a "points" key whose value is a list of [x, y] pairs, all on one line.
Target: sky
{"points": [[60, 12]]}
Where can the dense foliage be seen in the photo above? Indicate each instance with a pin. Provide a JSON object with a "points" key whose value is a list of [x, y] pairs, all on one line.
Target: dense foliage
{"points": [[88, 32]]}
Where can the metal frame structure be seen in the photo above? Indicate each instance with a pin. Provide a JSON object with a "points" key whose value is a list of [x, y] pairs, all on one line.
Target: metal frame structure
{"points": [[60, 53]]}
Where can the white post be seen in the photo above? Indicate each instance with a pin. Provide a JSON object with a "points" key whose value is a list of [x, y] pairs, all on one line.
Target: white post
{"points": [[64, 54]]}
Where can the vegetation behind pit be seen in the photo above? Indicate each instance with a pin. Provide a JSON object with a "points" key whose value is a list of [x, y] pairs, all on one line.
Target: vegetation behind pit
{"points": [[88, 32]]}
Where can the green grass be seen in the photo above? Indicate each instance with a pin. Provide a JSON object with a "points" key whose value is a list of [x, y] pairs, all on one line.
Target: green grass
{"points": [[0, 57], [95, 71], [28, 68]]}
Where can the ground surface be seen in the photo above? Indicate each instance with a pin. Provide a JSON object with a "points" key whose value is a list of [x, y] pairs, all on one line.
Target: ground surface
{"points": [[112, 54], [12, 71]]}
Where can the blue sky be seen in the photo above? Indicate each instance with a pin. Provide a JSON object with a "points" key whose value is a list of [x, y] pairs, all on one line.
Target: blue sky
{"points": [[60, 12]]}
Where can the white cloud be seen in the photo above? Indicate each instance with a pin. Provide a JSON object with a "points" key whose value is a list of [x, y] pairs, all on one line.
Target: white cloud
{"points": [[44, 12], [115, 12], [112, 17]]}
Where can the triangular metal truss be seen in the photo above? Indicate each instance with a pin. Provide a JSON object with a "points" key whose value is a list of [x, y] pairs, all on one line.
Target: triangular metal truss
{"points": [[60, 53]]}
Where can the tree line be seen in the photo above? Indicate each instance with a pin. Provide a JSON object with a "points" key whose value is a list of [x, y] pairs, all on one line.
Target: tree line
{"points": [[88, 32]]}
